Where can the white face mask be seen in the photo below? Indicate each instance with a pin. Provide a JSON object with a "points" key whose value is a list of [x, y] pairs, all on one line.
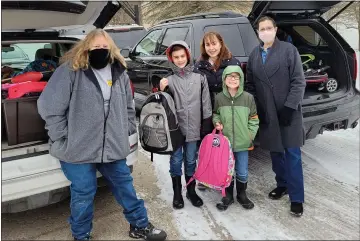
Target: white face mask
{"points": [[267, 36]]}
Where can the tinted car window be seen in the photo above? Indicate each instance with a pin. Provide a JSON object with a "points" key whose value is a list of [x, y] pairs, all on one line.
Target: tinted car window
{"points": [[231, 36], [249, 38], [147, 46], [171, 35], [127, 39]]}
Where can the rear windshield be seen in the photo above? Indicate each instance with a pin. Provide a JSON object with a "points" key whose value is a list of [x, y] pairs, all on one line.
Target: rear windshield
{"points": [[76, 7], [127, 39]]}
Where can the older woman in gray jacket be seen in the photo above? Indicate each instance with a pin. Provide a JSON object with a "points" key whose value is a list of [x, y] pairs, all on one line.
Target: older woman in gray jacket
{"points": [[88, 109]]}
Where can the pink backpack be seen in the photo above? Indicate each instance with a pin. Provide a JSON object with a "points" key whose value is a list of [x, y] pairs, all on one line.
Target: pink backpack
{"points": [[215, 162]]}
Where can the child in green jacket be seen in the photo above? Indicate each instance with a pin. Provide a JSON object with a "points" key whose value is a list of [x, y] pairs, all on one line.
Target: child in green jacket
{"points": [[235, 114]]}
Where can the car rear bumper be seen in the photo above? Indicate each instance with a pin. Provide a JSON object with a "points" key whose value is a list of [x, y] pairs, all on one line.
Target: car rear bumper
{"points": [[340, 116], [30, 176]]}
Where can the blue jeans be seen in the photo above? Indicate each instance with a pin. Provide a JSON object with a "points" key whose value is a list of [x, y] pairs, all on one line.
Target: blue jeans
{"points": [[241, 166], [189, 155], [83, 189], [288, 169]]}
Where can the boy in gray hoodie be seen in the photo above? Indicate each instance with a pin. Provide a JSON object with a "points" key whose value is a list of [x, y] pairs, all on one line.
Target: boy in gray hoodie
{"points": [[193, 107]]}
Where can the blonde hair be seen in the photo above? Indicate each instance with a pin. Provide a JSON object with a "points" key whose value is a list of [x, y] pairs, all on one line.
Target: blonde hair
{"points": [[78, 55]]}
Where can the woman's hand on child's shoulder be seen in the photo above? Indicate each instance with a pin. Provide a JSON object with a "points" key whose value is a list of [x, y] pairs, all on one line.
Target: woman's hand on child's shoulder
{"points": [[163, 83], [219, 126]]}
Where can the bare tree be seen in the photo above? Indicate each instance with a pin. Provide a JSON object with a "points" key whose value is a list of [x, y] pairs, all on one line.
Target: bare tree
{"points": [[356, 13], [121, 17], [156, 11], [350, 17]]}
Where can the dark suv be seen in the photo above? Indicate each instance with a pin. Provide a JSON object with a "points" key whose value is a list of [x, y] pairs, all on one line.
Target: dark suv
{"points": [[310, 33]]}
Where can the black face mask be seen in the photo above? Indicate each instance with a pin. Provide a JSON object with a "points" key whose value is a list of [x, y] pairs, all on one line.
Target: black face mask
{"points": [[99, 58]]}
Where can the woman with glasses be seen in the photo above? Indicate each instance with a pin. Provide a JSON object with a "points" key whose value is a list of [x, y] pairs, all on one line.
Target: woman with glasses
{"points": [[275, 77]]}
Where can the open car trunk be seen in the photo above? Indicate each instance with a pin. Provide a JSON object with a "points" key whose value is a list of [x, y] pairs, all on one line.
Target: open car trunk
{"points": [[30, 16], [318, 43], [33, 38], [23, 131]]}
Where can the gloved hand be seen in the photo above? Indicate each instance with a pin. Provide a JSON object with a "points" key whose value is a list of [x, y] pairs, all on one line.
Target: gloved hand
{"points": [[206, 127], [285, 116]]}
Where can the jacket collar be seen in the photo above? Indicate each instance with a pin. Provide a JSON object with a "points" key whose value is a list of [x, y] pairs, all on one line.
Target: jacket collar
{"points": [[116, 70], [182, 71]]}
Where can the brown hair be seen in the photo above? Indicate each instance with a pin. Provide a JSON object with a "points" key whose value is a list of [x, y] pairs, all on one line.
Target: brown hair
{"points": [[224, 51], [264, 18], [176, 48], [78, 56]]}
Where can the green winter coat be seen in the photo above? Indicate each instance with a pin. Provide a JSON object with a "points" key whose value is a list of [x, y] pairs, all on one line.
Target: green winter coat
{"points": [[237, 114]]}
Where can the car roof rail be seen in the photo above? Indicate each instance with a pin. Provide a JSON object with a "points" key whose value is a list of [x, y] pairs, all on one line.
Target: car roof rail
{"points": [[203, 16]]}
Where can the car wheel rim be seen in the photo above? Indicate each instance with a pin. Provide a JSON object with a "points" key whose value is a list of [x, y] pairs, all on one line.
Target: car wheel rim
{"points": [[331, 85]]}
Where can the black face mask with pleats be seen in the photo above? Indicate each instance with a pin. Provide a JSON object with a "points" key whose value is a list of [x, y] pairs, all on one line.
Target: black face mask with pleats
{"points": [[99, 58]]}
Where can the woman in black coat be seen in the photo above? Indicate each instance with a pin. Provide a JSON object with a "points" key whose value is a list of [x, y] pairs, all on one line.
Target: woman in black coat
{"points": [[275, 77], [215, 57]]}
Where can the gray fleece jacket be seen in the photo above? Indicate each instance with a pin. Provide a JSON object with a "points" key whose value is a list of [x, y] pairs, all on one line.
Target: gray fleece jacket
{"points": [[72, 106], [185, 87]]}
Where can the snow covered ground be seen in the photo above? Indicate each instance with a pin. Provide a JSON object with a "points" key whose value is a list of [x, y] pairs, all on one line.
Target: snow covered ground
{"points": [[331, 172]]}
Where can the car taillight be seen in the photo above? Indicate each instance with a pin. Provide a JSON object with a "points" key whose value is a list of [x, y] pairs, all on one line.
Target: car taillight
{"points": [[132, 88], [133, 147]]}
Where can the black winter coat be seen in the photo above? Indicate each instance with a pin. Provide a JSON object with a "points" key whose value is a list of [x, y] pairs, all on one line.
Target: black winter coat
{"points": [[214, 78], [277, 83]]}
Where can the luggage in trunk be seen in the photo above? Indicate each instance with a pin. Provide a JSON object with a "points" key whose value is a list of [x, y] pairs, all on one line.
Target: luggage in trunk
{"points": [[21, 121]]}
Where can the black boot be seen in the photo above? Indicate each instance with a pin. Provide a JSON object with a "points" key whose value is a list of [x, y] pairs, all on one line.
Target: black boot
{"points": [[191, 193], [241, 196], [149, 233], [201, 187], [178, 201], [296, 209], [278, 193], [87, 238], [228, 199]]}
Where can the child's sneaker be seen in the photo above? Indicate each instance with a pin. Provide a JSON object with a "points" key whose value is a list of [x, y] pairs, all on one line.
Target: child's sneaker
{"points": [[148, 233], [88, 237]]}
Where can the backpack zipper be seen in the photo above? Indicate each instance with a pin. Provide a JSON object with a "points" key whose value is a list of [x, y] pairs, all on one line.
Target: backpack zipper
{"points": [[105, 119]]}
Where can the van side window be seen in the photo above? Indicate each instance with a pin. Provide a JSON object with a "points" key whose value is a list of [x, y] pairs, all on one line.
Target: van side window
{"points": [[232, 37], [148, 45], [171, 35], [310, 36]]}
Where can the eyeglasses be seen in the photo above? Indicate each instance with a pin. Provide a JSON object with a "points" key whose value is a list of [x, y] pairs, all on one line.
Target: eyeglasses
{"points": [[266, 29], [233, 77]]}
